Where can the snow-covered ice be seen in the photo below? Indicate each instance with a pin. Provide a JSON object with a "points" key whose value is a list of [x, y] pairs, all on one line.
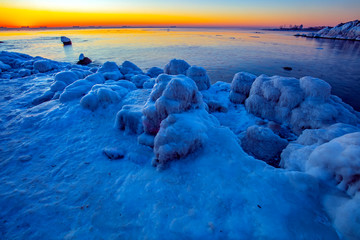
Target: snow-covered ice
{"points": [[344, 31], [78, 145]]}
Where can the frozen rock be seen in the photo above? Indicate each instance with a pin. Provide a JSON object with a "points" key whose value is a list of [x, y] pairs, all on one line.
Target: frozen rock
{"points": [[302, 104], [346, 31], [199, 75], [170, 95], [114, 153], [316, 88], [240, 86], [175, 67], [90, 101], [103, 94], [68, 77], [338, 162], [58, 86], [263, 144], [139, 80], [24, 72], [48, 95], [296, 154], [110, 71], [181, 135], [96, 78], [146, 139], [154, 72], [75, 90], [65, 40], [43, 66], [128, 67], [4, 67], [123, 83], [129, 118], [149, 83]]}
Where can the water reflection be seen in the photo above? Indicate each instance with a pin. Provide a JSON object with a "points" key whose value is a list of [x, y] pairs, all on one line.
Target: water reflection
{"points": [[69, 53]]}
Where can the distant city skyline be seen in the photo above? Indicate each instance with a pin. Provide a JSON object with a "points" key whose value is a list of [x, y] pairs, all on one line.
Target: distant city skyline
{"points": [[229, 13]]}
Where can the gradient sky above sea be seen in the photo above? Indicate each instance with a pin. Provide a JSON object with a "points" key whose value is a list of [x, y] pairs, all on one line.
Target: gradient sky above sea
{"points": [[61, 13]]}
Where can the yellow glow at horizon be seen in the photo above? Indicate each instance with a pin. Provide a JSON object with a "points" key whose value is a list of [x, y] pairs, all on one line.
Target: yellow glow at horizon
{"points": [[16, 17]]}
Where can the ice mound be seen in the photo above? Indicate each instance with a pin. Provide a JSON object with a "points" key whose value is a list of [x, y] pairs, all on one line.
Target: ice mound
{"points": [[129, 118], [128, 67], [240, 86], [181, 134], [43, 66], [176, 66], [139, 80], [345, 31], [263, 144], [76, 90], [175, 114], [67, 77], [338, 162], [302, 104], [4, 67], [199, 75], [154, 72], [169, 95], [296, 154], [103, 95], [217, 97], [110, 71]]}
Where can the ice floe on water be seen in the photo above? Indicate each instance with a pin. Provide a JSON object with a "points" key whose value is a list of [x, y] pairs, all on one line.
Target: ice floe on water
{"points": [[113, 152]]}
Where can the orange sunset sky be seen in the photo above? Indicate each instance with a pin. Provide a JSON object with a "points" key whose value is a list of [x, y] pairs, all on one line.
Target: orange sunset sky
{"points": [[35, 13]]}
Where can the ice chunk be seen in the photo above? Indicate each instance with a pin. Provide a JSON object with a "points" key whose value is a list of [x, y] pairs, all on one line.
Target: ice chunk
{"points": [[176, 66], [110, 71], [24, 72], [129, 118], [58, 86], [338, 162], [263, 144], [90, 101], [103, 94], [199, 75], [240, 86], [114, 153], [48, 95], [95, 78], [296, 154], [149, 83], [43, 66], [4, 67], [314, 87], [128, 67], [75, 90], [154, 72], [68, 77], [180, 135], [139, 80], [301, 104]]}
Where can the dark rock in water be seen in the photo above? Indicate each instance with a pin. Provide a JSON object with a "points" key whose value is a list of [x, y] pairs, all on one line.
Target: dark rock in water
{"points": [[65, 40], [84, 61], [287, 68], [1, 42]]}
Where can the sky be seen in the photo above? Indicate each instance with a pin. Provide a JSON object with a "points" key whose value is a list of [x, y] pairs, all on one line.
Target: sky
{"points": [[260, 13]]}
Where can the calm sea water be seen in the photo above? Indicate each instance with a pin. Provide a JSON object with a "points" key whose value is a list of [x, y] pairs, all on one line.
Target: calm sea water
{"points": [[222, 52]]}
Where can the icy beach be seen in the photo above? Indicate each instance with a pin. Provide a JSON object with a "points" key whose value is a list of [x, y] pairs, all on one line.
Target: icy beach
{"points": [[115, 152]]}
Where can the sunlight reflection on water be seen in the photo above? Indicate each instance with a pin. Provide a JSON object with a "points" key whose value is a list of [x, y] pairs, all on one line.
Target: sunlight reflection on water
{"points": [[223, 52]]}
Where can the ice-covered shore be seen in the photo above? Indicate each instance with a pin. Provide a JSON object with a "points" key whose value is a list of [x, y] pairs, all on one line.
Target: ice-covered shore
{"points": [[344, 31], [114, 152]]}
